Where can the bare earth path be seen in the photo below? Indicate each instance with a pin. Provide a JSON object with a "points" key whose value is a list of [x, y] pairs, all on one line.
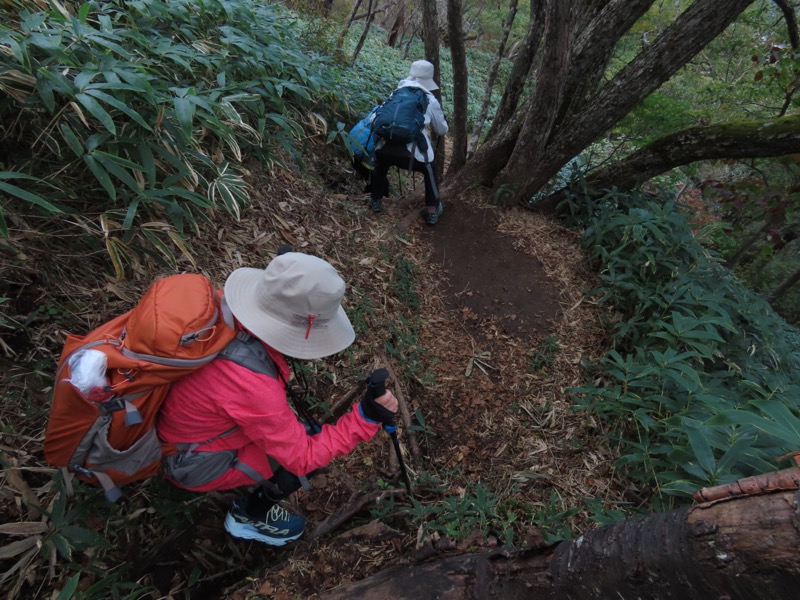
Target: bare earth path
{"points": [[487, 277]]}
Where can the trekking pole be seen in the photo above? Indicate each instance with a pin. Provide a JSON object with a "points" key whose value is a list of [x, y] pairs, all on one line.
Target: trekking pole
{"points": [[376, 384]]}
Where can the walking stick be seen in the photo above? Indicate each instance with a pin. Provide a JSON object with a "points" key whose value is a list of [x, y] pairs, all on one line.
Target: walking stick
{"points": [[376, 383]]}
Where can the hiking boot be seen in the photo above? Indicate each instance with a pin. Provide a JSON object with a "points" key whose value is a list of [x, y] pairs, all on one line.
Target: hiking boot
{"points": [[280, 526], [432, 217], [376, 206]]}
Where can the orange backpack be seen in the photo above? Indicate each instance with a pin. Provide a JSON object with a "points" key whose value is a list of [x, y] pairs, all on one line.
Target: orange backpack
{"points": [[109, 438]]}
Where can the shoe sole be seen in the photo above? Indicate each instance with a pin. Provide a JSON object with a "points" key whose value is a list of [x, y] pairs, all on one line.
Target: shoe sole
{"points": [[243, 532]]}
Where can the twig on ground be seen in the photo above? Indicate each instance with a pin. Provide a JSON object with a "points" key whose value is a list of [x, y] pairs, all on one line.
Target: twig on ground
{"points": [[344, 513], [404, 411], [344, 403]]}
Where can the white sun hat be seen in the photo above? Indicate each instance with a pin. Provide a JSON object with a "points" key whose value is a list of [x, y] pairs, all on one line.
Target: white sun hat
{"points": [[294, 305], [422, 72]]}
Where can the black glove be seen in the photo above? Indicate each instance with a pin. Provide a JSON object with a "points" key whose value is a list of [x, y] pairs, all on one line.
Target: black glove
{"points": [[376, 412]]}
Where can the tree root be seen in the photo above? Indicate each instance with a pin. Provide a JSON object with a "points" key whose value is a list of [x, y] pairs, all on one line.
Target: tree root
{"points": [[345, 512]]}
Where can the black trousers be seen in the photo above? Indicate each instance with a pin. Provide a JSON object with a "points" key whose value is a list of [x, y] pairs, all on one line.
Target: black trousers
{"points": [[399, 156]]}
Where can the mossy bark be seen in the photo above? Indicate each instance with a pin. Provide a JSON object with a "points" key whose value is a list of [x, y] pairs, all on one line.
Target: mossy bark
{"points": [[771, 137]]}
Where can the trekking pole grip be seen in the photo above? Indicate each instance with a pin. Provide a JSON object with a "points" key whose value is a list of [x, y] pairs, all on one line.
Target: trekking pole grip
{"points": [[376, 387], [376, 382]]}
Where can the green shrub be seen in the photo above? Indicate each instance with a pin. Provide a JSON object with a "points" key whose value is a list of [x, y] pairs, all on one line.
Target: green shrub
{"points": [[702, 387], [131, 119]]}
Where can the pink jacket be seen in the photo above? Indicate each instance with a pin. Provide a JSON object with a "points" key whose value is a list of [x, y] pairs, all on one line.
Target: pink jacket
{"points": [[222, 394]]}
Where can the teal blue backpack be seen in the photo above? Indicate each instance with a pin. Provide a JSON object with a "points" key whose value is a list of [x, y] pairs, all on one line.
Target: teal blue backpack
{"points": [[362, 142]]}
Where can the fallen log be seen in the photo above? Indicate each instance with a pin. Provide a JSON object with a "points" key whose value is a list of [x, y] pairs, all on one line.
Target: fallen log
{"points": [[742, 548]]}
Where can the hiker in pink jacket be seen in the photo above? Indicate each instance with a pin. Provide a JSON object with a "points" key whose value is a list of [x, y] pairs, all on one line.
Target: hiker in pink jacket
{"points": [[231, 420]]}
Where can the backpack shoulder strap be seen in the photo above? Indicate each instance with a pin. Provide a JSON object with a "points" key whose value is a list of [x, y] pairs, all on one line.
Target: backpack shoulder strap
{"points": [[248, 352]]}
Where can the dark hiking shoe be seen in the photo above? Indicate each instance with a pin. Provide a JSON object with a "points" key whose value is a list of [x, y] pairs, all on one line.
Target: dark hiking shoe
{"points": [[431, 218], [280, 526], [376, 206]]}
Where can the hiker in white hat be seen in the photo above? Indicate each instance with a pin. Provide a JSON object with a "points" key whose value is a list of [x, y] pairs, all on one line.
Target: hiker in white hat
{"points": [[230, 420], [418, 154]]}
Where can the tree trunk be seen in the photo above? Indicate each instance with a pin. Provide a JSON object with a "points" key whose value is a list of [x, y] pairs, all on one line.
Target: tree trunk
{"points": [[745, 247], [519, 71], [596, 39], [537, 127], [703, 21], [455, 28], [791, 21], [362, 39], [739, 549], [430, 38], [754, 139], [783, 287], [547, 142], [774, 137], [475, 17], [396, 24], [346, 28], [487, 96]]}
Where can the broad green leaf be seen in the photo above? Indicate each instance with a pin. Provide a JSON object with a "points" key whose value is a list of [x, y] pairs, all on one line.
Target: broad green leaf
{"points": [[203, 103], [71, 138], [117, 166], [29, 197], [679, 488], [80, 537], [130, 215], [697, 471], [68, 591], [764, 424], [114, 85], [148, 162], [161, 246], [184, 112], [102, 40], [101, 175], [121, 106], [689, 372], [702, 450], [17, 175], [83, 79], [50, 43], [180, 192], [734, 454], [297, 89], [83, 12], [780, 413], [93, 106], [119, 160], [45, 90], [3, 224], [61, 545]]}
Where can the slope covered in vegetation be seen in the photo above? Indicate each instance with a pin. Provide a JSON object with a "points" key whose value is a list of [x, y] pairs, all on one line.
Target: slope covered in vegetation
{"points": [[169, 137]]}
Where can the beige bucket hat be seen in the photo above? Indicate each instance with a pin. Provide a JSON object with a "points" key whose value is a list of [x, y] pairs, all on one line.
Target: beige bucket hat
{"points": [[422, 72], [294, 305]]}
